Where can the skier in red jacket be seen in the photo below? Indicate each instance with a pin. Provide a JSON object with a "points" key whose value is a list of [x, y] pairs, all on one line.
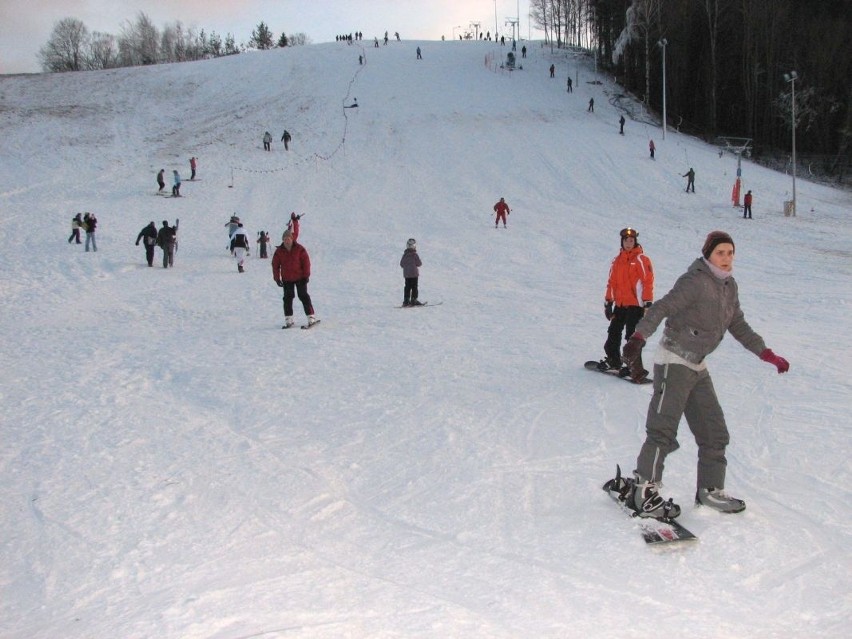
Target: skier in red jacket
{"points": [[502, 209], [291, 270]]}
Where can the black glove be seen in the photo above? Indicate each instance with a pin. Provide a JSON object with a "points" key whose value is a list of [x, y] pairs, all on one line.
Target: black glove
{"points": [[648, 304], [281, 284], [608, 310], [306, 280], [137, 242]]}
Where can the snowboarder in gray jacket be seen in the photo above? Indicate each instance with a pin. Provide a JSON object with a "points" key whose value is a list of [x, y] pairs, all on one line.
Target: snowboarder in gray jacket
{"points": [[701, 307], [410, 264]]}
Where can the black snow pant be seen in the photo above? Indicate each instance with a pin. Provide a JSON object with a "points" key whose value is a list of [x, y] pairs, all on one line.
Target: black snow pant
{"points": [[679, 390], [410, 292], [75, 234], [149, 254], [300, 289], [624, 318]]}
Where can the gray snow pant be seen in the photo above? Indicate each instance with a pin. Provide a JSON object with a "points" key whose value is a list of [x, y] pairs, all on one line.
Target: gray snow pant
{"points": [[679, 390]]}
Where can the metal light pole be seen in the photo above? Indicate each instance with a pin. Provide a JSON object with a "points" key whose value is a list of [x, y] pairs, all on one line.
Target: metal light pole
{"points": [[495, 20], [791, 78], [662, 44]]}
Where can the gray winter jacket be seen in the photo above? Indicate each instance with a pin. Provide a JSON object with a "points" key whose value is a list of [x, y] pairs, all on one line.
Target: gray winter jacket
{"points": [[410, 262], [700, 308]]}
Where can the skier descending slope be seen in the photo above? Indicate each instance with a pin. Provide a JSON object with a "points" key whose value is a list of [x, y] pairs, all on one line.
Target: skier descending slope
{"points": [[291, 270]]}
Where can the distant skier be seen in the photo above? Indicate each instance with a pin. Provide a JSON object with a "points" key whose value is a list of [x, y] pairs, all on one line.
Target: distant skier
{"points": [[419, 55], [166, 240], [76, 225], [690, 179], [176, 185], [570, 85], [747, 206], [591, 108], [267, 141], [621, 125], [652, 148], [193, 164], [232, 225], [285, 138], [291, 270], [148, 236], [262, 242], [524, 55], [294, 224], [90, 225], [240, 246], [161, 180], [410, 264], [552, 71], [502, 210]]}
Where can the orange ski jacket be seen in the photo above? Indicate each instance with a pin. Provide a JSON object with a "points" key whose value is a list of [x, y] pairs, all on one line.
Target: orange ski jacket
{"points": [[630, 269]]}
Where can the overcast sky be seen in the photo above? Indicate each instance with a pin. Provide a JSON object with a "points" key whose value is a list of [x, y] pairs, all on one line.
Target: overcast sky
{"points": [[26, 25]]}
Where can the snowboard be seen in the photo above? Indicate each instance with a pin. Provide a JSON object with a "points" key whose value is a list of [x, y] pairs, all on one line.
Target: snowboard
{"points": [[592, 365], [654, 531], [422, 305]]}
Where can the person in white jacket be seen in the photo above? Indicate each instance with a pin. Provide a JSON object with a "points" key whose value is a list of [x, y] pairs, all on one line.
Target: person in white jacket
{"points": [[240, 246]]}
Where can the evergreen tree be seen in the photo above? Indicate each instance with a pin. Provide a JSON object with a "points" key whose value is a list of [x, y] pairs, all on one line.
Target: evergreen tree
{"points": [[261, 37]]}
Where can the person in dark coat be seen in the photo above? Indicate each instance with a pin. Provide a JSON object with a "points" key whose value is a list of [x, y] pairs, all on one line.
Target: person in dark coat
{"points": [[410, 264], [621, 125], [747, 205], [90, 224], [148, 236], [291, 270], [161, 180], [166, 240], [690, 179], [262, 242], [285, 138]]}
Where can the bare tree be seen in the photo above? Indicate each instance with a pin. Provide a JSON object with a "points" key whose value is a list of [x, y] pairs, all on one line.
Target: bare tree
{"points": [[103, 53], [139, 42], [66, 48]]}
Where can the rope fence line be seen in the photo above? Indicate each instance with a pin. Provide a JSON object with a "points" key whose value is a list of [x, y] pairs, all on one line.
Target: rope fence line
{"points": [[315, 157]]}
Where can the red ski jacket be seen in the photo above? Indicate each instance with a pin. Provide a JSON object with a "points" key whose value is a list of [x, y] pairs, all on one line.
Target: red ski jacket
{"points": [[292, 265]]}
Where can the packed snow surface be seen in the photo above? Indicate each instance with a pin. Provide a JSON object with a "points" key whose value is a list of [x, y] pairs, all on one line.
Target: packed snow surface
{"points": [[175, 465]]}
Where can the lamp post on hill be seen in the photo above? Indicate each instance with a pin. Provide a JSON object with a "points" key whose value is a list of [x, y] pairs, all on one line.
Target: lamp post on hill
{"points": [[791, 78], [662, 44]]}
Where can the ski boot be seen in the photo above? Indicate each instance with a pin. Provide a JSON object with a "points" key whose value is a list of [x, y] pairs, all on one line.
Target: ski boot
{"points": [[718, 499], [647, 501]]}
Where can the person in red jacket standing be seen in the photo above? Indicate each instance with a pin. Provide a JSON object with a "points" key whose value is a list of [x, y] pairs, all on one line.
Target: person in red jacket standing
{"points": [[624, 304], [291, 270], [747, 206], [502, 209]]}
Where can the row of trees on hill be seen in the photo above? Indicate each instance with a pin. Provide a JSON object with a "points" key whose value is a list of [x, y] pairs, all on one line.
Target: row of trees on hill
{"points": [[72, 47], [725, 63]]}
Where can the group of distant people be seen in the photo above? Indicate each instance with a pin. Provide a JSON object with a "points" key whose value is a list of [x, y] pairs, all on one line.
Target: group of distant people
{"points": [[88, 223], [176, 181], [165, 237], [285, 138]]}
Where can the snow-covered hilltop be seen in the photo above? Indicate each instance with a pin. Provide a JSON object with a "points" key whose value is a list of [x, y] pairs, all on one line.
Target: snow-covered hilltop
{"points": [[174, 465]]}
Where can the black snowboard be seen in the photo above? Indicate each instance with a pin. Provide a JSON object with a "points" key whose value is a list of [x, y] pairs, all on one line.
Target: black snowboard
{"points": [[421, 305], [593, 366]]}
